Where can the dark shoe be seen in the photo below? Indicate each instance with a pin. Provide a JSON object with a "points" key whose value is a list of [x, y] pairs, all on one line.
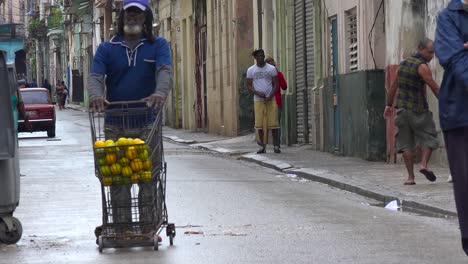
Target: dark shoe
{"points": [[261, 151], [429, 174], [277, 149]]}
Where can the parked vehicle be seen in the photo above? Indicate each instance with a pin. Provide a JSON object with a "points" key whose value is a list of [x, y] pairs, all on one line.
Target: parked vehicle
{"points": [[39, 109]]}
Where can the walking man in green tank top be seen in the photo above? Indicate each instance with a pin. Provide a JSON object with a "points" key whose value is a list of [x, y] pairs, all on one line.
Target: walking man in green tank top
{"points": [[414, 122]]}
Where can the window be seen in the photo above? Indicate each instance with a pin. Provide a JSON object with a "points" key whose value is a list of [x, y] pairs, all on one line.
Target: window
{"points": [[169, 24], [352, 39], [35, 97]]}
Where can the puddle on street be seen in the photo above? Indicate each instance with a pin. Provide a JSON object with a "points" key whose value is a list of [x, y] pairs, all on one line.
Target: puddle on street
{"points": [[411, 210]]}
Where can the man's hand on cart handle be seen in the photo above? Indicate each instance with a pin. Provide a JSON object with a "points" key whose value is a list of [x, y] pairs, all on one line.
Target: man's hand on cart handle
{"points": [[155, 101], [98, 104]]}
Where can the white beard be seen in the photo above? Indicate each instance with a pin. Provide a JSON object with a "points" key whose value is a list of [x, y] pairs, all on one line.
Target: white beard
{"points": [[133, 29]]}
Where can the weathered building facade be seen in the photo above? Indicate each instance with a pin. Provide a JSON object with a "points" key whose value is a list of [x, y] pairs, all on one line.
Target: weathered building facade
{"points": [[353, 97], [217, 40]]}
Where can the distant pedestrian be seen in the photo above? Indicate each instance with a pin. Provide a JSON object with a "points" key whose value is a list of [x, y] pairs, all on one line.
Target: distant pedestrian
{"points": [[413, 119], [262, 81], [47, 85], [450, 48], [61, 94], [282, 84], [33, 83], [65, 93]]}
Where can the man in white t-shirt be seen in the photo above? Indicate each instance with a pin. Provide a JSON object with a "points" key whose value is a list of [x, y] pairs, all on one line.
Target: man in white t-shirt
{"points": [[262, 81]]}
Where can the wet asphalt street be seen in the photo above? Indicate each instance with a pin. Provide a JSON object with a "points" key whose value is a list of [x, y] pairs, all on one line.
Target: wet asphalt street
{"points": [[225, 210]]}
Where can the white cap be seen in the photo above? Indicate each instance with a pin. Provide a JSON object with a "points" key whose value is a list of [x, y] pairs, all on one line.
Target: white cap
{"points": [[142, 7]]}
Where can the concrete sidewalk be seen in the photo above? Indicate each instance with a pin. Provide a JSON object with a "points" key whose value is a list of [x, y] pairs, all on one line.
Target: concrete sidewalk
{"points": [[377, 180]]}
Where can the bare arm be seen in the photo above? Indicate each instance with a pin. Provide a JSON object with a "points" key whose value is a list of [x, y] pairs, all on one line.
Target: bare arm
{"points": [[252, 90], [388, 112], [275, 87], [426, 75], [392, 92]]}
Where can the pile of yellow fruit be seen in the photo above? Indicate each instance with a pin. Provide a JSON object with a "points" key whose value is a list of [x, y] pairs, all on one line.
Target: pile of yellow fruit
{"points": [[123, 162]]}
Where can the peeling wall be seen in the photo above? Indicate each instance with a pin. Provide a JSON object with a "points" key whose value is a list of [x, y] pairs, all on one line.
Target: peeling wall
{"points": [[404, 27]]}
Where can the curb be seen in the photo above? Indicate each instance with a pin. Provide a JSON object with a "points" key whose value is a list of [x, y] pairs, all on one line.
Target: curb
{"points": [[179, 140], [76, 108], [315, 175], [405, 203]]}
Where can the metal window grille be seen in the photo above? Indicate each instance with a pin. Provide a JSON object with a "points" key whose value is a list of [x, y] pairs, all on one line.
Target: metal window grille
{"points": [[352, 39]]}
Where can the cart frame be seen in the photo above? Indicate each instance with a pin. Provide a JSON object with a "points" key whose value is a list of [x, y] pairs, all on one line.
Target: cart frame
{"points": [[138, 221]]}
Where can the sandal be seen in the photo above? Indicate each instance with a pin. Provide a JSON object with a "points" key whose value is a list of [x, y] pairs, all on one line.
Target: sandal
{"points": [[429, 174]]}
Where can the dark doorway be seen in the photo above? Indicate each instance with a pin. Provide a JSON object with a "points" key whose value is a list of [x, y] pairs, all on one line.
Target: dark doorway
{"points": [[78, 92]]}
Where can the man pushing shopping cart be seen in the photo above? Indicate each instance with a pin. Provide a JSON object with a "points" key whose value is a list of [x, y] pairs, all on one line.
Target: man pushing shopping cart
{"points": [[130, 79]]}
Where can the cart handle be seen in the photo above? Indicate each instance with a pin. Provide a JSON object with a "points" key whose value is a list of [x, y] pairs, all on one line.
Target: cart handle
{"points": [[126, 102]]}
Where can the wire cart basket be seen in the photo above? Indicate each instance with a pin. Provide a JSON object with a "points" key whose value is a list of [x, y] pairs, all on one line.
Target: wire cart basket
{"points": [[129, 163]]}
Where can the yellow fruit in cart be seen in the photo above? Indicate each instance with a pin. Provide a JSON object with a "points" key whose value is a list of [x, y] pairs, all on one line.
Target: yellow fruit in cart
{"points": [[145, 176], [127, 171], [102, 161], [143, 154], [111, 158], [107, 181], [140, 143], [110, 146], [124, 161], [122, 141], [129, 141], [147, 164], [99, 144], [131, 153], [99, 152], [116, 169], [137, 165], [135, 178], [105, 171]]}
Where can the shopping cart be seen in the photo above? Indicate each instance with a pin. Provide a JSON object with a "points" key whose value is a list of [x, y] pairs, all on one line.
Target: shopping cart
{"points": [[132, 176]]}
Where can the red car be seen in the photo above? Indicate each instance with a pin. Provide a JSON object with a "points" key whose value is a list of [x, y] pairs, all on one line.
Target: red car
{"points": [[39, 109]]}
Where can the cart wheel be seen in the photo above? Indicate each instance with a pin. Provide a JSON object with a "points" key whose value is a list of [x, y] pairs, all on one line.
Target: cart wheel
{"points": [[10, 237], [156, 242], [101, 244]]}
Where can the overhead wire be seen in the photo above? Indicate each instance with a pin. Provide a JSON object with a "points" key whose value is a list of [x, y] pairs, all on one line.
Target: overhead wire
{"points": [[370, 33]]}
